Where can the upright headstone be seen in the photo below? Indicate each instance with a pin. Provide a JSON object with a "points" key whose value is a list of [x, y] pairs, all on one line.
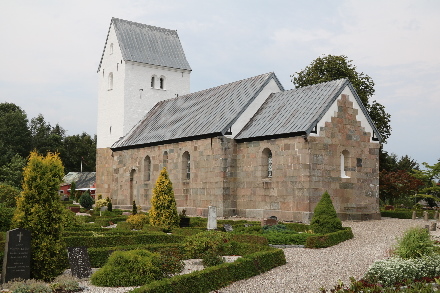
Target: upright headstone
{"points": [[79, 262], [425, 215], [17, 258], [433, 226], [414, 215], [436, 215], [212, 218]]}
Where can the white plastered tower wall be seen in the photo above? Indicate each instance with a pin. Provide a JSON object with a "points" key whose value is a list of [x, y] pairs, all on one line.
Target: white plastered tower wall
{"points": [[124, 103]]}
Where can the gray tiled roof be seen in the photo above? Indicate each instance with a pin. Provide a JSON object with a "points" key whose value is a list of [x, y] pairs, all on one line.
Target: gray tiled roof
{"points": [[295, 111], [82, 179], [149, 44], [207, 112]]}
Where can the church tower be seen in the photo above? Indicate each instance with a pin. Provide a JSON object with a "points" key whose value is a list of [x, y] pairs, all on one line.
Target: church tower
{"points": [[140, 66]]}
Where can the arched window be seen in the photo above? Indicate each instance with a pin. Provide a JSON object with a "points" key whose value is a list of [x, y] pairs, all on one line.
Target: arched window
{"points": [[110, 81], [162, 82], [153, 81], [266, 163], [345, 161], [147, 168], [111, 48], [165, 159], [186, 166]]}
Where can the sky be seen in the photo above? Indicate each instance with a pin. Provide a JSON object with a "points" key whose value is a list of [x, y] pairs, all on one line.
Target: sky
{"points": [[51, 51]]}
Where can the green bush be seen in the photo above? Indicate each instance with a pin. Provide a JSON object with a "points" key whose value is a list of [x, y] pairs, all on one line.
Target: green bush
{"points": [[396, 269], [216, 277], [137, 221], [397, 214], [86, 201], [288, 237], [416, 242], [131, 268], [325, 219], [6, 214], [28, 286], [330, 239], [8, 195], [208, 242], [65, 283]]}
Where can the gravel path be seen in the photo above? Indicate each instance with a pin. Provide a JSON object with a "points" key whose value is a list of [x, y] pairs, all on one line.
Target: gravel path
{"points": [[307, 270]]}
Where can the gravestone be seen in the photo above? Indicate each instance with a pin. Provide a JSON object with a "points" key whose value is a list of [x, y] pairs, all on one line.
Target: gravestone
{"points": [[433, 226], [436, 215], [17, 258], [414, 215], [269, 222], [228, 228], [79, 262], [425, 215], [212, 217]]}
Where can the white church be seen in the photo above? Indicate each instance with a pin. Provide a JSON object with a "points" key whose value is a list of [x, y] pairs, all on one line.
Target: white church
{"points": [[249, 147]]}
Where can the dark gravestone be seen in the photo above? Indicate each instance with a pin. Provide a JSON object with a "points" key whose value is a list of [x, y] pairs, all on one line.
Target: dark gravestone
{"points": [[228, 228], [17, 259], [79, 262]]}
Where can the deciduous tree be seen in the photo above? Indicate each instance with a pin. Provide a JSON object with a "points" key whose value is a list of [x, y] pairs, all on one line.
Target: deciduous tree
{"points": [[332, 67]]}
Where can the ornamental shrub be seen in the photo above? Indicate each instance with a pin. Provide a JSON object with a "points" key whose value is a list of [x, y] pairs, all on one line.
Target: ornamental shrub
{"points": [[131, 268], [415, 243], [86, 201], [207, 243], [325, 219], [6, 214], [100, 203], [137, 221], [134, 209], [40, 211], [163, 210]]}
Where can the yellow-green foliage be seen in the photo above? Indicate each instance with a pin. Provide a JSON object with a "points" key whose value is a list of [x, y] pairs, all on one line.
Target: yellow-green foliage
{"points": [[163, 210], [100, 203], [40, 211], [137, 221]]}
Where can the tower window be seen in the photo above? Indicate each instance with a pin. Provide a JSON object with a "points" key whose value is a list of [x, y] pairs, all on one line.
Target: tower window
{"points": [[165, 159], [186, 166], [111, 48], [345, 163], [110, 81], [162, 83], [152, 82], [267, 165]]}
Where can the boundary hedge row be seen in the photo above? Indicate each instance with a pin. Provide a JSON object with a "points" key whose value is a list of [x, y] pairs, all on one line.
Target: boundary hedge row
{"points": [[405, 214], [330, 239], [216, 277]]}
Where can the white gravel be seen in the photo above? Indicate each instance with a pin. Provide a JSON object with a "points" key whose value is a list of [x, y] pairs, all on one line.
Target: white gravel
{"points": [[307, 270]]}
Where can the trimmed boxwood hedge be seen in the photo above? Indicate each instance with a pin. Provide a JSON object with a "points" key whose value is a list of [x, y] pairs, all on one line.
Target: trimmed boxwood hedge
{"points": [[121, 240], [405, 214], [330, 239], [216, 277]]}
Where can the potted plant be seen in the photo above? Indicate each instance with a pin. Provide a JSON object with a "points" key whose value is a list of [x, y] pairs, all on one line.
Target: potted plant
{"points": [[184, 219]]}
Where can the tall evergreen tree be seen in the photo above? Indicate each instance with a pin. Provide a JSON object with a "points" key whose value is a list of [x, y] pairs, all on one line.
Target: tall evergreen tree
{"points": [[163, 210], [40, 211]]}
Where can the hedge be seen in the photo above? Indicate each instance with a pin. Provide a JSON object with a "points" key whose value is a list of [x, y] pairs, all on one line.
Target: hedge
{"points": [[216, 277], [405, 214], [121, 240], [288, 238], [330, 239]]}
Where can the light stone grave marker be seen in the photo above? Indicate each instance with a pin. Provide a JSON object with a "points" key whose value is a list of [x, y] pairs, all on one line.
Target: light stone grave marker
{"points": [[212, 217], [228, 228]]}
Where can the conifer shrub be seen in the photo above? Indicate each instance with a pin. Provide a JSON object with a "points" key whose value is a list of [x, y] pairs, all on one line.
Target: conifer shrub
{"points": [[8, 195], [325, 219], [134, 209], [40, 211], [207, 243], [132, 268], [6, 214], [86, 201], [163, 210]]}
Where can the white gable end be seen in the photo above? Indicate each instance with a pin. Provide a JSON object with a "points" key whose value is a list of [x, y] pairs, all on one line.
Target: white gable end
{"points": [[271, 87], [332, 112]]}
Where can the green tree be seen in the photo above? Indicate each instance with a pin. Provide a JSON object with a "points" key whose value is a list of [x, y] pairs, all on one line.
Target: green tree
{"points": [[77, 148], [331, 67], [73, 190], [8, 195], [40, 211], [325, 220], [15, 137], [163, 210], [430, 176], [46, 138], [12, 172], [86, 201]]}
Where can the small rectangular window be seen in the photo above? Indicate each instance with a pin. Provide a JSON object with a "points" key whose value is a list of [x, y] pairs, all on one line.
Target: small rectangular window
{"points": [[358, 162]]}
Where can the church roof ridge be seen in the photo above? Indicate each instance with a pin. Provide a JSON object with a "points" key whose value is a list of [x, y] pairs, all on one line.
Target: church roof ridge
{"points": [[148, 44], [207, 112]]}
